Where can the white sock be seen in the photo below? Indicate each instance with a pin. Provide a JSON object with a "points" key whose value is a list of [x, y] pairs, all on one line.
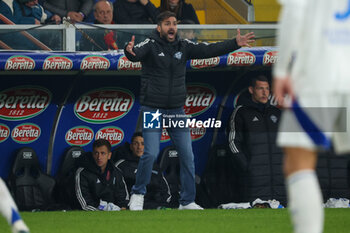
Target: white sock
{"points": [[305, 202], [9, 209], [7, 205]]}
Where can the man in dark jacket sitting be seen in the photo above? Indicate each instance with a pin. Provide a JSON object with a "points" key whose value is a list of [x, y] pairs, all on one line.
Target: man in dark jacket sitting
{"points": [[128, 156], [252, 140], [99, 185]]}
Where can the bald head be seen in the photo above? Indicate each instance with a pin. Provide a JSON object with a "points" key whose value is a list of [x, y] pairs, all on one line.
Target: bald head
{"points": [[103, 12]]}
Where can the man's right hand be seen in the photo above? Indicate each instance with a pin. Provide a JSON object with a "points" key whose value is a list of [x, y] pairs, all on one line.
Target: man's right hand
{"points": [[144, 2], [75, 16], [130, 46], [56, 19], [282, 87]]}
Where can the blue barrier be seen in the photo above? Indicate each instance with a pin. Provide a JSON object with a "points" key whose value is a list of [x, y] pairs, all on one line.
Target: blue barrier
{"points": [[83, 61]]}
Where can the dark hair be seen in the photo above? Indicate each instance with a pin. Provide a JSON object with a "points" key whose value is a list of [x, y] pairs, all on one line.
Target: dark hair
{"points": [[102, 142], [164, 6], [187, 21], [164, 15], [261, 78], [135, 135], [24, 1]]}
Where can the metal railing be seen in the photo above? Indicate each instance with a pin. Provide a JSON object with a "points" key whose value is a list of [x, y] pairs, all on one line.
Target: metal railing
{"points": [[71, 38]]}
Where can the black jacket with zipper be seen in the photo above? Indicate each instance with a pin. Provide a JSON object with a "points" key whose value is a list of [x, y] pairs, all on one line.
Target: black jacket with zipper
{"points": [[163, 83], [252, 140], [91, 186]]}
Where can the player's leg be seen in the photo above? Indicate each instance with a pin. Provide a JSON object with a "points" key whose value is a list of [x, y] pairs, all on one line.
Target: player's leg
{"points": [[144, 170], [9, 210], [304, 194], [305, 200], [181, 139]]}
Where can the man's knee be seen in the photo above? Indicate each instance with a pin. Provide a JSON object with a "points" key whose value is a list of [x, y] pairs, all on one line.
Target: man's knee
{"points": [[297, 159]]}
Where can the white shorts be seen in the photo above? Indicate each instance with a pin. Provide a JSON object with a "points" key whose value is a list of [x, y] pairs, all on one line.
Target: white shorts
{"points": [[329, 112]]}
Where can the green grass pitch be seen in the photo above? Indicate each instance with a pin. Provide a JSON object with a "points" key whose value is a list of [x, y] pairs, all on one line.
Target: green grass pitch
{"points": [[170, 221]]}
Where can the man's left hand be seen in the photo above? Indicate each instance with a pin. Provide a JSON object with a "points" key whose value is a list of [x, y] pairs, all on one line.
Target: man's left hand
{"points": [[244, 40]]}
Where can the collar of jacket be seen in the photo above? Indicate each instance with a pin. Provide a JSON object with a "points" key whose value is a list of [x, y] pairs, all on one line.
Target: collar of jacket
{"points": [[97, 22], [259, 106]]}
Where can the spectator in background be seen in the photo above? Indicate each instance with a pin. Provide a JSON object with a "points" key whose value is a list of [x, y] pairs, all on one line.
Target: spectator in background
{"points": [[76, 10], [91, 18], [11, 9], [31, 8], [183, 10], [103, 12], [99, 185], [134, 12], [128, 156], [189, 34], [106, 39], [252, 140]]}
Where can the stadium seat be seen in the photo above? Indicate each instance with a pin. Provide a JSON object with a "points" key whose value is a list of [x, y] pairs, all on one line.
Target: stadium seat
{"points": [[120, 152], [218, 183], [30, 187], [170, 166], [64, 190]]}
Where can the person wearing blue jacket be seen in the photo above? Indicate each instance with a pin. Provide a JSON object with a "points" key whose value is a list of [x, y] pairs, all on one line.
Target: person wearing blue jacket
{"points": [[11, 9], [32, 8]]}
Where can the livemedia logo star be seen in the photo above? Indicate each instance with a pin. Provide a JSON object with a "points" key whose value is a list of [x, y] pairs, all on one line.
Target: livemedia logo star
{"points": [[151, 120]]}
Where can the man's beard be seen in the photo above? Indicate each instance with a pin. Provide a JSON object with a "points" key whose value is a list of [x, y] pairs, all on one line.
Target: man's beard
{"points": [[165, 36]]}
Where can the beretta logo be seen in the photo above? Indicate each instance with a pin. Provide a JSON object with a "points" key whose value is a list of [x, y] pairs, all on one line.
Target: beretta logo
{"points": [[4, 132], [79, 136], [104, 105], [196, 134], [270, 58], [199, 98], [241, 58], [113, 134], [125, 64], [95, 62], [23, 102], [26, 133], [20, 62], [205, 63], [165, 136], [57, 63]]}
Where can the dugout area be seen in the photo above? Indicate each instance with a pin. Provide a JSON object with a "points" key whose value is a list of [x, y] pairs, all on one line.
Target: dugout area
{"points": [[51, 101]]}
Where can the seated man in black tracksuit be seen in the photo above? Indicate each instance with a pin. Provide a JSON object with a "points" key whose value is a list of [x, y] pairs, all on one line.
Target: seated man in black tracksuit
{"points": [[99, 185], [252, 140], [127, 158]]}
